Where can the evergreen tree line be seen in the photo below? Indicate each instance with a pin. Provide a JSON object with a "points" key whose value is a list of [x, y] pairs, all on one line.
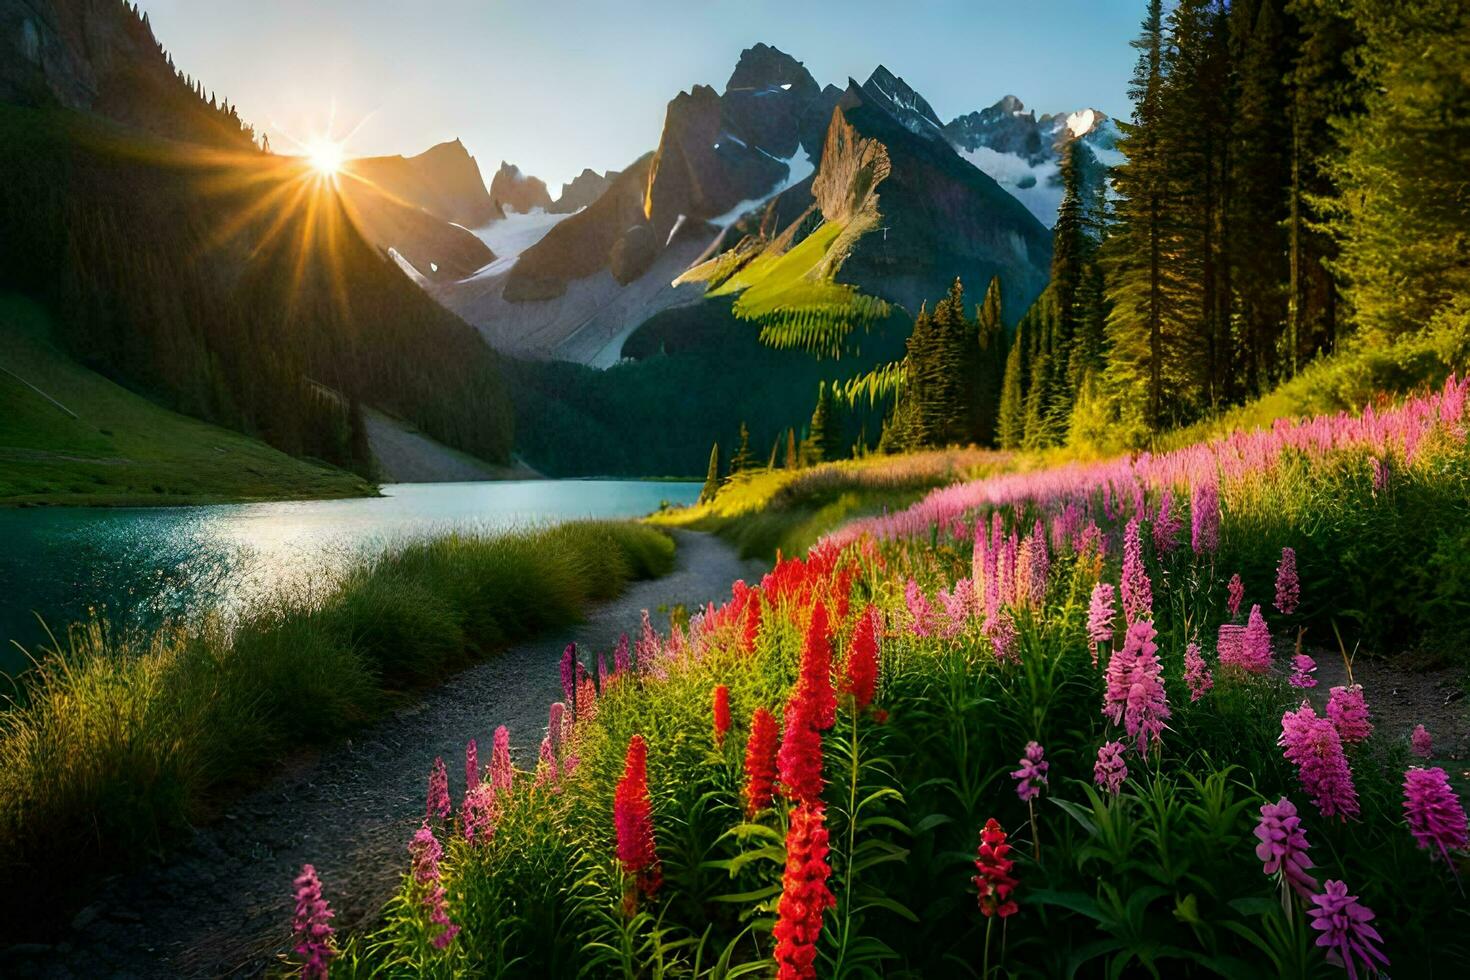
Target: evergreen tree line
{"points": [[234, 293], [1295, 178]]}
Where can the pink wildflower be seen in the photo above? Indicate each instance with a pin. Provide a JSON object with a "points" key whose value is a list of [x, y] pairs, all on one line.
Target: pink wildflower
{"points": [[1166, 525], [1135, 694], [471, 766], [1380, 475], [1347, 932], [921, 614], [622, 660], [1255, 643], [995, 881], [439, 790], [312, 927], [1288, 588], [1110, 770], [1420, 742], [1436, 816], [1303, 667], [1235, 592], [1229, 643], [479, 814], [957, 603], [1349, 712], [1100, 614], [1196, 673], [1138, 596], [1003, 637], [1204, 514], [569, 674], [1312, 743], [426, 852], [502, 774], [1032, 774], [1283, 847]]}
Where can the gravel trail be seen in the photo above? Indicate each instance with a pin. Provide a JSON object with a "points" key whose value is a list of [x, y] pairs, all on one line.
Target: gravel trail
{"points": [[221, 905]]}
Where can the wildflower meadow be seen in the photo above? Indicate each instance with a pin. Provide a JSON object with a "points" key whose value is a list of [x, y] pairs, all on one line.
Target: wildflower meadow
{"points": [[1055, 723]]}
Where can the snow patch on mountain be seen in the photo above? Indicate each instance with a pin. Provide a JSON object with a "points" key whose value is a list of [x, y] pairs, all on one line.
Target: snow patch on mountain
{"points": [[512, 235], [799, 167], [1038, 186]]}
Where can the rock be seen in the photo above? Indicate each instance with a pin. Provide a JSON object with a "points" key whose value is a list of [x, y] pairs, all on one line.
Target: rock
{"points": [[633, 253], [511, 190], [85, 918], [583, 191]]}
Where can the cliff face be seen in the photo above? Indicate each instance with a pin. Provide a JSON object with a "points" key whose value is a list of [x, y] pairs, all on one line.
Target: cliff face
{"points": [[582, 191], [511, 190], [101, 56], [444, 180]]}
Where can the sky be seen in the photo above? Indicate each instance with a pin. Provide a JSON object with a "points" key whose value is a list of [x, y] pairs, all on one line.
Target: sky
{"points": [[558, 85]]}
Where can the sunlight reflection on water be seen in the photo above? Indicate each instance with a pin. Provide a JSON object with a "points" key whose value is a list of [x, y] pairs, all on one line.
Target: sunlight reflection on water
{"points": [[145, 564]]}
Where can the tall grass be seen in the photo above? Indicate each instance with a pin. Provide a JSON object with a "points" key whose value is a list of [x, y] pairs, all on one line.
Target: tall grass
{"points": [[119, 738], [768, 511]]}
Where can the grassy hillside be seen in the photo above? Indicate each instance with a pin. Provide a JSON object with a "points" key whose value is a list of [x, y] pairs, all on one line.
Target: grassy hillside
{"points": [[232, 287], [106, 445]]}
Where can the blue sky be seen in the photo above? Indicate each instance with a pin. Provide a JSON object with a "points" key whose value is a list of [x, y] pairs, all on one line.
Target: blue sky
{"points": [[558, 85]]}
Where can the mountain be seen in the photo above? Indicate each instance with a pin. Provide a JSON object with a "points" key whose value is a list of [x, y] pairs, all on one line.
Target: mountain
{"points": [[1023, 152], [582, 191], [180, 260], [444, 180], [511, 190]]}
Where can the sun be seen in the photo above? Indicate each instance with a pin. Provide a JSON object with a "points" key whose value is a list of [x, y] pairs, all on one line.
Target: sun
{"points": [[325, 156]]}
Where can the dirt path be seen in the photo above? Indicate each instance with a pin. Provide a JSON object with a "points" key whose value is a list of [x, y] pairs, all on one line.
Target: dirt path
{"points": [[221, 906]]}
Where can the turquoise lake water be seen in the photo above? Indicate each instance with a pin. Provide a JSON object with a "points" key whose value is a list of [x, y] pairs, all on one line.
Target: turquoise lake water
{"points": [[142, 564]]}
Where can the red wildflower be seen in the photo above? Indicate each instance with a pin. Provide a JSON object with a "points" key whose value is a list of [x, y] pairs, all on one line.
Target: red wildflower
{"points": [[805, 896], [862, 660], [994, 880], [800, 758], [722, 713], [633, 818], [815, 683], [760, 762]]}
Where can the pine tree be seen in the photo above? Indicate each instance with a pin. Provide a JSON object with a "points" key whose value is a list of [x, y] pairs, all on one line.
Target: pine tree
{"points": [[824, 441], [1011, 420], [742, 459], [990, 366], [712, 478]]}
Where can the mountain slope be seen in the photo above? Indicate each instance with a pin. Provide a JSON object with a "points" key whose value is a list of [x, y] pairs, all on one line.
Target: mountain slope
{"points": [[70, 436]]}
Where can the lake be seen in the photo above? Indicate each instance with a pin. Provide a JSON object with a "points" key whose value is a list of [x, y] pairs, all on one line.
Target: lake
{"points": [[142, 564]]}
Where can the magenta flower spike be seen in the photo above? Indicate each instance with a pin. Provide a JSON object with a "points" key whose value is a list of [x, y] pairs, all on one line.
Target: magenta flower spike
{"points": [[312, 925], [1255, 643], [1138, 597], [1110, 770], [1235, 592], [1032, 774], [1420, 743], [1100, 614], [438, 804], [1204, 517], [1349, 712], [1288, 587], [1436, 816], [426, 851], [1346, 928], [569, 673], [1196, 672], [1135, 696], [1303, 667], [471, 766], [1313, 745], [622, 659], [1283, 847], [502, 774]]}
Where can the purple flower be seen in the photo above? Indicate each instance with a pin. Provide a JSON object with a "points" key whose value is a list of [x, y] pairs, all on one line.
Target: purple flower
{"points": [[1288, 588], [1039, 566], [1283, 847], [1204, 515], [1255, 643], [556, 724], [1347, 931], [602, 675], [621, 658], [471, 766], [1100, 616], [426, 852], [922, 620], [569, 673], [312, 926], [1435, 814], [1110, 770], [438, 790], [958, 604], [1420, 742], [1380, 475], [1135, 694], [1312, 743], [479, 814], [501, 772], [1196, 673], [1235, 590], [1003, 637], [1349, 712], [1303, 669], [1166, 525], [1032, 774], [1138, 597]]}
